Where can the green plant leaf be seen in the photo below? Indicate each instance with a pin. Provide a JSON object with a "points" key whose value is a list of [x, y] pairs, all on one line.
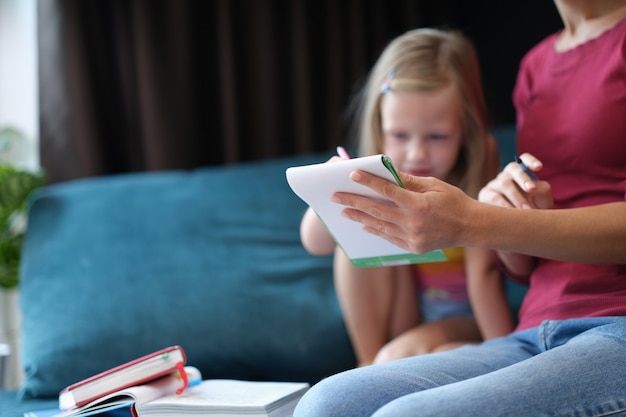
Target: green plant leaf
{"points": [[15, 187], [10, 252]]}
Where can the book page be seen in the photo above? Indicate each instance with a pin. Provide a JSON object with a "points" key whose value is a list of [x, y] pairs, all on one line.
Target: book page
{"points": [[315, 184], [228, 397]]}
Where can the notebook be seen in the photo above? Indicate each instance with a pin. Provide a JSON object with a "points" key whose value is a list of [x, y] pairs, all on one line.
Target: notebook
{"points": [[316, 183]]}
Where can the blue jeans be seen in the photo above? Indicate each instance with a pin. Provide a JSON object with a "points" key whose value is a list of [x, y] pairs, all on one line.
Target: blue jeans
{"points": [[561, 368]]}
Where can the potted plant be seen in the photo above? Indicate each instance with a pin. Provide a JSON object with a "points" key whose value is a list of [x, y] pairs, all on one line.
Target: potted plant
{"points": [[15, 186]]}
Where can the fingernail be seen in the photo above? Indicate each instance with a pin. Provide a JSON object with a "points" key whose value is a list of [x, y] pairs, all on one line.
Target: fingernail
{"points": [[528, 185], [356, 176], [336, 199]]}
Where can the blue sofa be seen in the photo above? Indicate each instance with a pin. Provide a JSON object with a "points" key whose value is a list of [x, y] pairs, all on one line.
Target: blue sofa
{"points": [[117, 267]]}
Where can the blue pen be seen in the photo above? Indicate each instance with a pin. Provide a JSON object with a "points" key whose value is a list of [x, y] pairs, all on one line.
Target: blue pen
{"points": [[525, 168]]}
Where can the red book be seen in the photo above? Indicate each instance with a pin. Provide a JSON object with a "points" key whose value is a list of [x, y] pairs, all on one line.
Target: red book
{"points": [[135, 372]]}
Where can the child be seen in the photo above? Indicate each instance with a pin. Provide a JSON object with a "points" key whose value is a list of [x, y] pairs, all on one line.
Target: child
{"points": [[423, 107]]}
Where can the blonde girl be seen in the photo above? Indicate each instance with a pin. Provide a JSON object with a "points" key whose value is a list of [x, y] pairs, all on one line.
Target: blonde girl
{"points": [[423, 106]]}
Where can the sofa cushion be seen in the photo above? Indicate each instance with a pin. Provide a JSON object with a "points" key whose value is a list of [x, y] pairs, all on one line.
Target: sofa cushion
{"points": [[116, 267]]}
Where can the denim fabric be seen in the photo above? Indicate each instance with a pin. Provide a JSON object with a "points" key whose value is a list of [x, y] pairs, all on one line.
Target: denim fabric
{"points": [[561, 368]]}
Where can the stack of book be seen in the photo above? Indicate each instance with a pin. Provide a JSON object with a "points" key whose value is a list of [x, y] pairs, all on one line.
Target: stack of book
{"points": [[160, 384]]}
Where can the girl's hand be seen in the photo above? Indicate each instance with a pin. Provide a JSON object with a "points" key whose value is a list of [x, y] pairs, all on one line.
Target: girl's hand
{"points": [[515, 188]]}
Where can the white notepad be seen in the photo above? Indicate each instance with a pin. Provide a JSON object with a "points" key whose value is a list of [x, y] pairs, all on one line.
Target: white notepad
{"points": [[315, 184]]}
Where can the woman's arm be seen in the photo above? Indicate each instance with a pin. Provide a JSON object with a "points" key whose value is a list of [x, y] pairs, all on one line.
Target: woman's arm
{"points": [[430, 214]]}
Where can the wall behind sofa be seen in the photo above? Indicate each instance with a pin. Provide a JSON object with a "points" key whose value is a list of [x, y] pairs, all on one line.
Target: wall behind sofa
{"points": [[135, 85]]}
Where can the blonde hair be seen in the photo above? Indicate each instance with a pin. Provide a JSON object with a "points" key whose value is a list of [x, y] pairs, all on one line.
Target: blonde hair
{"points": [[429, 60]]}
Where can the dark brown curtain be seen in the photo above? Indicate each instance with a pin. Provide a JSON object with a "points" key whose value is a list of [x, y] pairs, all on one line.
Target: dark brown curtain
{"points": [[142, 85]]}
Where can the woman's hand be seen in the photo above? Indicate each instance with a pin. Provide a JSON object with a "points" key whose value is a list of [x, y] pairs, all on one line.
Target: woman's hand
{"points": [[429, 214], [513, 187]]}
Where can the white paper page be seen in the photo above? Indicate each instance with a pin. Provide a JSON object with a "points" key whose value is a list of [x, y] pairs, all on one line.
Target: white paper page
{"points": [[223, 396], [315, 184]]}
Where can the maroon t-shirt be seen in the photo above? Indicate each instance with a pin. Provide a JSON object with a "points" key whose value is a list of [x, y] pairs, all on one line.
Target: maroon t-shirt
{"points": [[571, 114]]}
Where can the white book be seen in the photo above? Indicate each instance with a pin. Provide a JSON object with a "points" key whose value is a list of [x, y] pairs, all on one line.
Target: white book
{"points": [[315, 184]]}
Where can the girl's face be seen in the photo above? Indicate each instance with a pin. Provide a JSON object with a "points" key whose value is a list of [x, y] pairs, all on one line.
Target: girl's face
{"points": [[422, 131]]}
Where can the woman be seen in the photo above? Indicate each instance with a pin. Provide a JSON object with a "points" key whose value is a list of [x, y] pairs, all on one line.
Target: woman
{"points": [[565, 233]]}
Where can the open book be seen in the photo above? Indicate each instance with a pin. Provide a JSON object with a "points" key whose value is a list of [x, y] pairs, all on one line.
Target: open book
{"points": [[124, 401], [315, 184], [212, 397]]}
